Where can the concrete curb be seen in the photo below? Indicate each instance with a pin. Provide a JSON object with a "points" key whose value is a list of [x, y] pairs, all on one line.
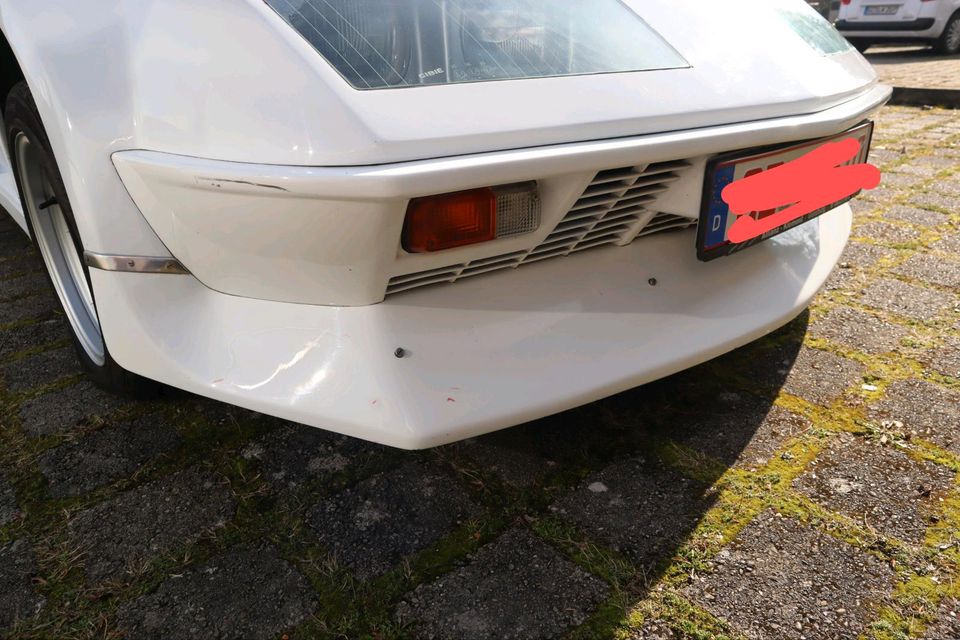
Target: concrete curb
{"points": [[916, 97]]}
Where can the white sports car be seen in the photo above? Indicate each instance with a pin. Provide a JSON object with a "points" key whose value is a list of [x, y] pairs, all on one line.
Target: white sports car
{"points": [[417, 221]]}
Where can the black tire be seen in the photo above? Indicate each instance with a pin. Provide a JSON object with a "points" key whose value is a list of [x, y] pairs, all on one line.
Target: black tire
{"points": [[860, 45], [948, 44], [22, 119]]}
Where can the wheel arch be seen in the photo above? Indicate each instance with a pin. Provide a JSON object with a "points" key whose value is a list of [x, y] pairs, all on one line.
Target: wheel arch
{"points": [[11, 73], [76, 68], [10, 70]]}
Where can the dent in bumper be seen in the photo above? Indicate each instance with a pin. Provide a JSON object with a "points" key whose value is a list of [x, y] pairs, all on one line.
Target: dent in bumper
{"points": [[482, 354]]}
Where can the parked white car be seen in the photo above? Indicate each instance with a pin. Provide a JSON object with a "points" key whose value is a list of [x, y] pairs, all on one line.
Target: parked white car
{"points": [[934, 22], [374, 216]]}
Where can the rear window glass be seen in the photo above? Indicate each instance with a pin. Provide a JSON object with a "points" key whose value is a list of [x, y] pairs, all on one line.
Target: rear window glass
{"points": [[377, 44]]}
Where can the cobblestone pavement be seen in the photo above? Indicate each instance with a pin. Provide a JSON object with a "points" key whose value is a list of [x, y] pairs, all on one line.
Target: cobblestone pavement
{"points": [[804, 486], [915, 67]]}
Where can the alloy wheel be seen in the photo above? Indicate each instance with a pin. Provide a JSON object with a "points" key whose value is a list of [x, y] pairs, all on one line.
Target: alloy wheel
{"points": [[58, 249]]}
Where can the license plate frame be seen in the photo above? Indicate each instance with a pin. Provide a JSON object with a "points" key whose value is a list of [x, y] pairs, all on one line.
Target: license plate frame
{"points": [[715, 215], [881, 10]]}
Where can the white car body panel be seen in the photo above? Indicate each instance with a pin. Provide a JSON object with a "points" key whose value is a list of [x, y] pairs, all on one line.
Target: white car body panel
{"points": [[480, 354], [209, 132]]}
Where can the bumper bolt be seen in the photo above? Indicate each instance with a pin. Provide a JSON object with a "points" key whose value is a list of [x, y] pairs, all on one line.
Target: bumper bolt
{"points": [[400, 352], [652, 281]]}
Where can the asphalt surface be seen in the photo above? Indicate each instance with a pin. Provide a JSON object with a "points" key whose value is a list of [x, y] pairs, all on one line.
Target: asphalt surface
{"points": [[804, 486]]}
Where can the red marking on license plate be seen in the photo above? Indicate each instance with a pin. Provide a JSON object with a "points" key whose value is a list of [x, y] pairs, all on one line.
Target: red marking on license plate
{"points": [[811, 182]]}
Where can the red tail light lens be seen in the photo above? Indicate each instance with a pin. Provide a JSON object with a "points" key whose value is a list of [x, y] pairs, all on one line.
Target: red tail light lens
{"points": [[452, 220]]}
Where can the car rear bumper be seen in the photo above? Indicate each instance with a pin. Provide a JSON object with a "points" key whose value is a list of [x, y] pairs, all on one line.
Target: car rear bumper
{"points": [[479, 355], [920, 24]]}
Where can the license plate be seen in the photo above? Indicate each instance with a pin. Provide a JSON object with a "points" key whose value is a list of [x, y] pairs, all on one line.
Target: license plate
{"points": [[881, 10], [716, 217]]}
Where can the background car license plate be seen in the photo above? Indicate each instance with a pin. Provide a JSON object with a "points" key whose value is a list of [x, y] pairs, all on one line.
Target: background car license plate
{"points": [[881, 10], [716, 218]]}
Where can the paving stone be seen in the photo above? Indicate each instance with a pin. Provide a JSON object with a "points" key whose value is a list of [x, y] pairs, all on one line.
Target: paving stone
{"points": [[907, 300], [640, 509], [951, 186], [882, 195], [29, 284], [886, 232], [9, 511], [248, 592], [933, 412], [863, 331], [63, 410], [221, 414], [514, 466], [736, 428], [945, 359], [762, 367], [863, 207], [931, 269], [856, 258], [106, 455], [884, 156], [294, 454], [901, 180], [18, 599], [129, 530], [27, 308], [40, 369], [876, 485], [948, 243], [14, 242], [780, 579], [371, 526], [515, 588], [820, 376], [31, 336], [935, 200], [814, 375], [947, 624], [16, 266], [913, 215], [863, 255]]}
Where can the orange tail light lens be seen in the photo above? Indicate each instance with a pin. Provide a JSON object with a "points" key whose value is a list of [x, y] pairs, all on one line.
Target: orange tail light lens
{"points": [[453, 220], [459, 219]]}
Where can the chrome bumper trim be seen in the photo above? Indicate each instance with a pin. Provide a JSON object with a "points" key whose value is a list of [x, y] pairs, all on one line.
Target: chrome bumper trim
{"points": [[134, 264]]}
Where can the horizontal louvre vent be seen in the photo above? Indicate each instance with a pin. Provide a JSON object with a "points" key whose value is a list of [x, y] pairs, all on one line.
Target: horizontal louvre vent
{"points": [[614, 209]]}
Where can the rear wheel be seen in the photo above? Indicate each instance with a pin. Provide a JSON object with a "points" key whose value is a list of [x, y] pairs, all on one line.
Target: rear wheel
{"points": [[860, 45], [54, 231], [949, 42]]}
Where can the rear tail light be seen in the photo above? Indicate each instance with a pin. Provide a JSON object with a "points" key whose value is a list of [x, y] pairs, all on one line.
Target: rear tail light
{"points": [[451, 220]]}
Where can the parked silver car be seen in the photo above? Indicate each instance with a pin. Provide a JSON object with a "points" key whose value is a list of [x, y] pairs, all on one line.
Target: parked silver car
{"points": [[869, 22]]}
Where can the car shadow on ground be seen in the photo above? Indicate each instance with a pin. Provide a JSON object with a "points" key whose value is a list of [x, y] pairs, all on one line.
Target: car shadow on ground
{"points": [[634, 472], [884, 55]]}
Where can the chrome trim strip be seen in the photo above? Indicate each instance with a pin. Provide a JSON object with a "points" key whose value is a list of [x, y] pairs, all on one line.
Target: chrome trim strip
{"points": [[134, 264]]}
